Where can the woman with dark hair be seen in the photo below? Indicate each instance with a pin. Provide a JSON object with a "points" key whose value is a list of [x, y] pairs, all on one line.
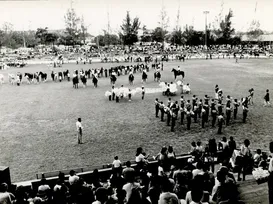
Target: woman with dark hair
{"points": [[171, 155], [270, 179], [141, 159]]}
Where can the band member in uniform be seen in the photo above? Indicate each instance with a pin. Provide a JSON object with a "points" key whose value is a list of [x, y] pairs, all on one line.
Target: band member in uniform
{"points": [[188, 113], [213, 114], [204, 117], [200, 106], [228, 98], [206, 107], [236, 104], [228, 112], [194, 100], [245, 110], [169, 102], [142, 92], [188, 105], [220, 123], [168, 112], [266, 98], [220, 95], [195, 110], [162, 107], [220, 108], [174, 116], [156, 107], [216, 91], [182, 110], [251, 95]]}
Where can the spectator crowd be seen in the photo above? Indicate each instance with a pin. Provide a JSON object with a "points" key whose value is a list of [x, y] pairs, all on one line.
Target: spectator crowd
{"points": [[195, 180]]}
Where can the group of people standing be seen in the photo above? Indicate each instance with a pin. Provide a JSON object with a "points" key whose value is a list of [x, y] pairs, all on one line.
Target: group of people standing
{"points": [[203, 108]]}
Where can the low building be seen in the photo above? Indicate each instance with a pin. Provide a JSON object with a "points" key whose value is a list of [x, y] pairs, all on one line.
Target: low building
{"points": [[266, 39]]}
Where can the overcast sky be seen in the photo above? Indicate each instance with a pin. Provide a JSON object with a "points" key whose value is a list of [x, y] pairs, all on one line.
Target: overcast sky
{"points": [[50, 13]]}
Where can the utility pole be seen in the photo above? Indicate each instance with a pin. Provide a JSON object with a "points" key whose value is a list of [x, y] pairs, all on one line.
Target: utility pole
{"points": [[206, 13], [108, 28], [178, 20]]}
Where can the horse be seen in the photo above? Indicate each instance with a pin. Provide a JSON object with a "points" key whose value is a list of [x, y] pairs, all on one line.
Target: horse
{"points": [[75, 81], [131, 79], [29, 77], [1, 79], [12, 78], [43, 76], [177, 73], [144, 77], [84, 80], [60, 76], [65, 74], [157, 76], [95, 81], [113, 79], [37, 77]]}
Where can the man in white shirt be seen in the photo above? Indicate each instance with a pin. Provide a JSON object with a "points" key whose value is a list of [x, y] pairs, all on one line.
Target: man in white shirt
{"points": [[73, 178], [79, 130]]}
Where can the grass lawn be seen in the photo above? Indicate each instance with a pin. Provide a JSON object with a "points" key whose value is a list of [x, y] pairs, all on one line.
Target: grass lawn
{"points": [[37, 122]]}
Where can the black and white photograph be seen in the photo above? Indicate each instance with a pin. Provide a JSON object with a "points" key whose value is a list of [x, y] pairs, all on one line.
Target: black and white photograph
{"points": [[136, 102]]}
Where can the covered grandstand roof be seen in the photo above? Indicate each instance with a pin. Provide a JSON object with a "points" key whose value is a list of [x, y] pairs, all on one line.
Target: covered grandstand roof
{"points": [[261, 38]]}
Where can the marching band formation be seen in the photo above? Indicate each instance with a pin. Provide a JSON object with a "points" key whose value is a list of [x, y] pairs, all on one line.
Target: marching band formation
{"points": [[200, 110]]}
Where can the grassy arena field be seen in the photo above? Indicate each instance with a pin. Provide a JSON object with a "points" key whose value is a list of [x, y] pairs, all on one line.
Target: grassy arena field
{"points": [[37, 122]]}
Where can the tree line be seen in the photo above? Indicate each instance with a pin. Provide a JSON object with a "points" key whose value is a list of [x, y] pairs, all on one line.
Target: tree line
{"points": [[75, 33]]}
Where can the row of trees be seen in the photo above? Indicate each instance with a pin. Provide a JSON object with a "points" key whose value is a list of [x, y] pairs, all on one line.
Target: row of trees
{"points": [[76, 33]]}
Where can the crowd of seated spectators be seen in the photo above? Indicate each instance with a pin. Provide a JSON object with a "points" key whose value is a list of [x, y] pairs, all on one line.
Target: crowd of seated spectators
{"points": [[191, 181]]}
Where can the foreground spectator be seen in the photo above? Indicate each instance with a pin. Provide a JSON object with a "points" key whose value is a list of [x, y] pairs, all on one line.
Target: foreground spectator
{"points": [[225, 191], [270, 179], [5, 196]]}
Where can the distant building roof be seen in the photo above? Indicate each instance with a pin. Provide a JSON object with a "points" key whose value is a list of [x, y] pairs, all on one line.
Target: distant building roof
{"points": [[261, 38]]}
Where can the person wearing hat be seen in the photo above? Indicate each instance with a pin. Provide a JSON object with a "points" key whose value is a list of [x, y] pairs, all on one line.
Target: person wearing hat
{"points": [[228, 112], [79, 130], [162, 110], [156, 107], [213, 114], [188, 115], [206, 107], [142, 92], [220, 123], [168, 112], [236, 104], [173, 115], [195, 110], [204, 117], [200, 106], [245, 111]]}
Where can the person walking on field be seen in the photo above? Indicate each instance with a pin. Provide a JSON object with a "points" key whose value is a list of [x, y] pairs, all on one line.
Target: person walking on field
{"points": [[266, 98], [79, 130]]}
